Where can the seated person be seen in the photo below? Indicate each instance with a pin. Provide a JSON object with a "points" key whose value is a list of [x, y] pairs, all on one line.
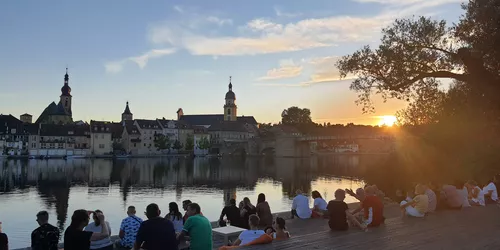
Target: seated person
{"points": [[372, 207], [451, 197], [232, 213], [463, 192], [417, 207], [431, 195], [251, 234], [339, 213], [4, 240], [300, 206], [320, 204], [96, 227], [280, 233], [476, 195], [490, 193]]}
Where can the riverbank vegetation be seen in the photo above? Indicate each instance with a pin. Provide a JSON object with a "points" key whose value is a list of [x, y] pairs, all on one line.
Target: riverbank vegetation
{"points": [[450, 76]]}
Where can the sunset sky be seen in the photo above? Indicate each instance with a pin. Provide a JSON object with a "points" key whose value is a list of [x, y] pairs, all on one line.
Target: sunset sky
{"points": [[165, 55]]}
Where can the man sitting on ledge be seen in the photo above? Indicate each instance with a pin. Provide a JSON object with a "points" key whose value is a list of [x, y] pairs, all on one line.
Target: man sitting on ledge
{"points": [[300, 206]]}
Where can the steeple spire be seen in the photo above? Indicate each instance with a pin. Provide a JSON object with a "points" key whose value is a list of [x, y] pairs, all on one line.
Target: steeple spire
{"points": [[127, 110], [66, 90], [230, 84]]}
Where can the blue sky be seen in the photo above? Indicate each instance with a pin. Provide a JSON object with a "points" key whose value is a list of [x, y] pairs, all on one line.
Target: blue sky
{"points": [[165, 55]]}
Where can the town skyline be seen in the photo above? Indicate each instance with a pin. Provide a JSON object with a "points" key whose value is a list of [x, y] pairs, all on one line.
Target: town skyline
{"points": [[157, 74]]}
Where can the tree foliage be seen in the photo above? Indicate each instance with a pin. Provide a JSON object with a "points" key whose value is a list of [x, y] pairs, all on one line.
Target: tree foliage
{"points": [[415, 53], [177, 145], [203, 143], [189, 145], [162, 142], [450, 130], [295, 115]]}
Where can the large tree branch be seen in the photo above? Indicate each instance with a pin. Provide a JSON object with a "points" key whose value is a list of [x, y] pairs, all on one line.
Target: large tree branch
{"points": [[433, 48], [435, 74]]}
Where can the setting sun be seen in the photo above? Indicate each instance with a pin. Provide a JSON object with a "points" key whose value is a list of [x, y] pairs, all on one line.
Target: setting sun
{"points": [[387, 120]]}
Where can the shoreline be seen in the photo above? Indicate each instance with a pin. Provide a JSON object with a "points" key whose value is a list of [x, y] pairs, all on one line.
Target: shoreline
{"points": [[66, 157]]}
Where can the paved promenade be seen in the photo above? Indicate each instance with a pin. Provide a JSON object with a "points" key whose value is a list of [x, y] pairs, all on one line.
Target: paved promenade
{"points": [[469, 228]]}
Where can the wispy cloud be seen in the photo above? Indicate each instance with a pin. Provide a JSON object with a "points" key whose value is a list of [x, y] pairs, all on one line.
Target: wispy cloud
{"points": [[141, 61], [281, 13], [115, 66], [219, 21], [178, 9], [269, 36], [192, 32], [323, 71], [287, 69], [285, 85], [409, 2]]}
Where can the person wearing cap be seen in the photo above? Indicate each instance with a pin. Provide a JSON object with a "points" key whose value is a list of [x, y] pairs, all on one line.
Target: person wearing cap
{"points": [[46, 236]]}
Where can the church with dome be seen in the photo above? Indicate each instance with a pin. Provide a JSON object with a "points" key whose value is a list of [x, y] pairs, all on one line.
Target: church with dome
{"points": [[59, 113], [224, 127], [228, 118]]}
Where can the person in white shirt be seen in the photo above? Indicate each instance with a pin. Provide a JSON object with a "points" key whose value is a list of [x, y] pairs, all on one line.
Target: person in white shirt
{"points": [[300, 206], [476, 195], [251, 234], [320, 204], [490, 193], [463, 192], [96, 227]]}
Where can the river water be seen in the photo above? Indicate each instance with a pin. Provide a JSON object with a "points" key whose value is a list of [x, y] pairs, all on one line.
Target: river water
{"points": [[62, 186]]}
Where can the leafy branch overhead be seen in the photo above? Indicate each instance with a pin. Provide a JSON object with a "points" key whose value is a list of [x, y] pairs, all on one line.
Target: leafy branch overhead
{"points": [[415, 52]]}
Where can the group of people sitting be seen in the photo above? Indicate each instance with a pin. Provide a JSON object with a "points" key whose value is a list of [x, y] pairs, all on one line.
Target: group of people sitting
{"points": [[157, 232], [370, 212], [428, 198], [168, 231]]}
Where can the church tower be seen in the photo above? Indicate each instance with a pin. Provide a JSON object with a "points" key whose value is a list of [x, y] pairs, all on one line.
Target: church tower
{"points": [[127, 115], [230, 107], [66, 95]]}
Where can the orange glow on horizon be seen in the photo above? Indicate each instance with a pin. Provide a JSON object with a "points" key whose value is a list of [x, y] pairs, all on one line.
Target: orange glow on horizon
{"points": [[387, 120]]}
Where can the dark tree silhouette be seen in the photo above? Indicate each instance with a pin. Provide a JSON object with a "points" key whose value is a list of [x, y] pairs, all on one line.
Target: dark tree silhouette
{"points": [[295, 115], [415, 52]]}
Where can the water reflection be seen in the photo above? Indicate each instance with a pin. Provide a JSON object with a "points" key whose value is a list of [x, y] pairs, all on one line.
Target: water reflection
{"points": [[60, 186]]}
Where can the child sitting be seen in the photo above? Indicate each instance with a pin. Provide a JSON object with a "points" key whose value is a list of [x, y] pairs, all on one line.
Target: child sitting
{"points": [[416, 207]]}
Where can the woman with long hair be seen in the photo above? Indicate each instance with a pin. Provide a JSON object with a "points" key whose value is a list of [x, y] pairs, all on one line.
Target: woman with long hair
{"points": [[175, 216], [320, 204], [246, 209], [96, 227], [264, 211]]}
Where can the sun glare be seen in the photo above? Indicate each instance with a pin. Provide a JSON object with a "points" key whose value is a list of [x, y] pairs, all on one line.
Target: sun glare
{"points": [[387, 120]]}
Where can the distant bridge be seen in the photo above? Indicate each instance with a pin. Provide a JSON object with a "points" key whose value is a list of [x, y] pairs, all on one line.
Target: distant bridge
{"points": [[300, 146], [344, 137]]}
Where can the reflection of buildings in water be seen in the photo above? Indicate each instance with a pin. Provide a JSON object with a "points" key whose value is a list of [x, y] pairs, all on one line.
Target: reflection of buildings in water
{"points": [[55, 193], [229, 193], [341, 165], [100, 172], [294, 173]]}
